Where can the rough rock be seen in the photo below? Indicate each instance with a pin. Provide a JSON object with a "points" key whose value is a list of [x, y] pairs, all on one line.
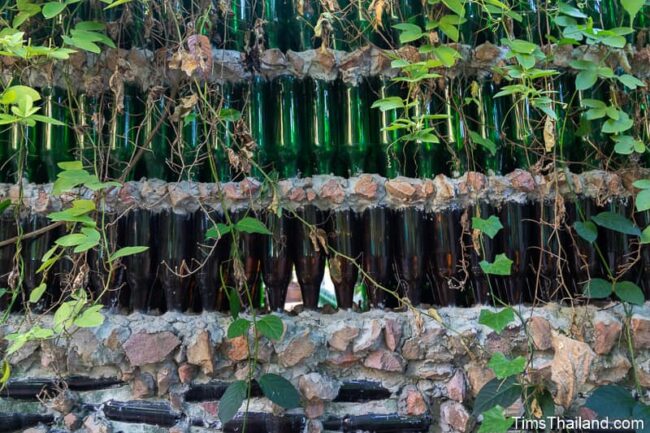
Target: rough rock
{"points": [[455, 415], [384, 360], [315, 386], [392, 333], [607, 331], [477, 376], [341, 337], [143, 386], [368, 337], [300, 347], [144, 348], [237, 348], [95, 425], [570, 367], [201, 353], [72, 421], [456, 387], [640, 327], [540, 332], [411, 402]]}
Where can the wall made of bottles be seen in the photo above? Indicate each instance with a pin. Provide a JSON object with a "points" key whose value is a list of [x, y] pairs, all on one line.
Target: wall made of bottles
{"points": [[297, 127]]}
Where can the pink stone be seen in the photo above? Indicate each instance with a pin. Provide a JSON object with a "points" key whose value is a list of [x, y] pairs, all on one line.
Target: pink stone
{"points": [[456, 387], [384, 360], [455, 415], [237, 349], [366, 186], [540, 332], [640, 327], [392, 334], [143, 348], [606, 334]]}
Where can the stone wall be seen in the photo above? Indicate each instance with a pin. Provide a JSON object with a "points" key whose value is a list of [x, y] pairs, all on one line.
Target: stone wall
{"points": [[410, 368]]}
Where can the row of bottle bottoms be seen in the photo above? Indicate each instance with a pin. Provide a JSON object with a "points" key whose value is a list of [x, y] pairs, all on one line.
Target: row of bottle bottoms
{"points": [[426, 257], [292, 24], [302, 127]]}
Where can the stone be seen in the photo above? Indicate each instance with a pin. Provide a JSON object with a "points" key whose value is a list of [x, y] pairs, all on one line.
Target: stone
{"points": [[166, 376], [200, 352], [607, 331], [570, 367], [180, 428], [400, 189], [39, 429], [315, 426], [343, 359], [72, 421], [477, 376], [385, 360], [315, 386], [456, 387], [412, 349], [411, 402], [428, 369], [540, 333], [333, 191], [186, 373], [612, 369], [93, 424], [342, 335], [368, 337], [640, 328], [366, 186], [454, 415], [64, 402], [144, 348], [237, 349], [299, 348], [392, 334], [143, 386], [314, 409]]}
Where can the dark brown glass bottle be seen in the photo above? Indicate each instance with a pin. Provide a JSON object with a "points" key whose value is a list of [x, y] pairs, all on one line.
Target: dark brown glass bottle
{"points": [[7, 231], [140, 230], [514, 240], [618, 247], [276, 260], [175, 253], [344, 237], [208, 257], [99, 272], [409, 252], [33, 250], [546, 253], [377, 253], [584, 261], [250, 252], [481, 283], [447, 253], [645, 256], [309, 261]]}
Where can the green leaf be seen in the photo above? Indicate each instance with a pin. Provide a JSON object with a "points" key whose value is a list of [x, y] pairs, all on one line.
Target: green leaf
{"points": [[617, 222], [52, 9], [92, 26], [90, 317], [234, 303], [612, 401], [490, 227], [494, 421], [70, 165], [71, 240], [456, 6], [501, 265], [229, 114], [271, 327], [522, 47], [251, 225], [488, 144], [446, 55], [645, 235], [570, 10], [629, 292], [625, 144], [586, 230], [497, 321], [622, 124], [408, 32], [643, 200], [586, 79], [218, 231], [117, 3], [37, 293], [232, 400], [279, 390], [4, 205], [504, 367], [632, 7], [450, 30], [630, 81], [641, 411], [597, 288], [128, 251], [238, 328], [497, 393], [389, 103], [642, 184]]}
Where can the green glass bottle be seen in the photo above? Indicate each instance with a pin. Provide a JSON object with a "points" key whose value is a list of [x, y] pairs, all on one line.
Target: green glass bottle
{"points": [[5, 155], [355, 143], [55, 140], [565, 108], [607, 14], [456, 129], [256, 109], [592, 141], [387, 144], [286, 127], [302, 20], [158, 147], [88, 129], [491, 120], [274, 17], [528, 28], [123, 133], [473, 31], [239, 22], [430, 155], [223, 139], [26, 162], [321, 118], [521, 134], [192, 148]]}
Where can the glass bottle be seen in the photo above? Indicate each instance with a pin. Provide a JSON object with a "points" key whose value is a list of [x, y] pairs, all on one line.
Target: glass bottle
{"points": [[239, 22], [644, 220], [256, 109], [491, 117], [481, 283], [409, 252], [309, 261], [547, 252], [123, 133], [224, 137], [140, 229], [208, 257], [286, 127], [175, 258], [387, 146], [55, 142], [26, 162], [192, 147], [7, 231], [158, 146], [592, 147], [275, 18], [584, 262], [354, 149], [521, 134], [88, 129], [447, 253], [618, 247], [344, 237], [377, 253], [430, 155], [111, 293], [322, 117], [456, 129], [250, 252], [514, 240], [276, 260]]}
